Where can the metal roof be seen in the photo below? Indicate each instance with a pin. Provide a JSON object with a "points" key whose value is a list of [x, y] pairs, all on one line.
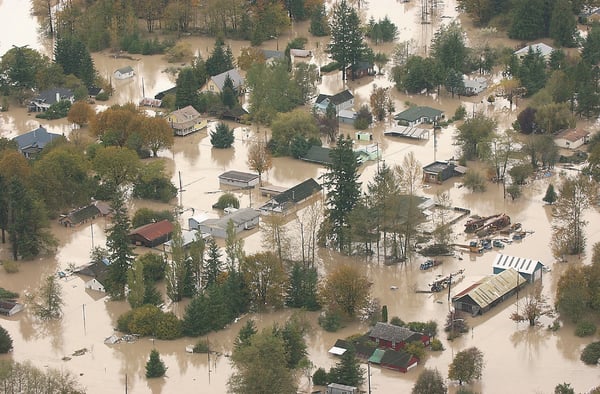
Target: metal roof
{"points": [[493, 287], [415, 113], [239, 217], [238, 176], [521, 264]]}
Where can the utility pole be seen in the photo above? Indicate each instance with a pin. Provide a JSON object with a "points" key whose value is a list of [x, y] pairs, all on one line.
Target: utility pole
{"points": [[369, 375]]}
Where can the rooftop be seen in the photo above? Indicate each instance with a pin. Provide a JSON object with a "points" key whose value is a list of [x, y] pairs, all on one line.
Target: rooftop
{"points": [[415, 113], [521, 264], [238, 176], [493, 287], [153, 231]]}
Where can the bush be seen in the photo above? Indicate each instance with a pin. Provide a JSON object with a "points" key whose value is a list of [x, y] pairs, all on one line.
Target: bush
{"points": [[460, 113], [396, 321], [10, 267], [149, 320], [474, 181], [227, 200], [333, 66], [6, 343], [320, 377], [591, 353], [436, 345], [416, 348], [585, 328], [330, 321], [102, 96], [7, 294], [56, 111], [201, 346]]}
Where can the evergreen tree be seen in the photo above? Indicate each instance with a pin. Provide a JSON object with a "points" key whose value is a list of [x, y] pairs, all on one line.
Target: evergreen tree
{"points": [[591, 45], [245, 334], [532, 71], [186, 88], [302, 288], [318, 22], [550, 197], [196, 320], [71, 53], [222, 137], [220, 60], [238, 294], [448, 47], [155, 367], [213, 266], [119, 246], [229, 94], [347, 44], [6, 343], [527, 20], [348, 370], [343, 192], [563, 25]]}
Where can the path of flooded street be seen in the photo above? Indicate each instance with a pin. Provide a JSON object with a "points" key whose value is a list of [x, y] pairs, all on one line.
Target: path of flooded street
{"points": [[518, 358]]}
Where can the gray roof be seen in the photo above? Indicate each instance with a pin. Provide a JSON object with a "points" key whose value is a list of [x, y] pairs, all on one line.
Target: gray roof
{"points": [[49, 96], [299, 192], [318, 154], [238, 217], [493, 287], [414, 113], [235, 76], [437, 166], [521, 264], [544, 49], [336, 99], [37, 138], [125, 70], [269, 54], [238, 176], [392, 333]]}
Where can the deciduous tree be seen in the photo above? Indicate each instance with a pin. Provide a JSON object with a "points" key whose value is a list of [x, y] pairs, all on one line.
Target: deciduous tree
{"points": [[466, 366], [80, 113], [48, 301], [266, 279], [157, 134], [346, 289], [430, 381], [259, 159], [474, 136]]}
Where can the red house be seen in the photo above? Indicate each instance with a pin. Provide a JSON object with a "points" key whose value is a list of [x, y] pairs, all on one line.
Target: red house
{"points": [[398, 360], [389, 336], [152, 234]]}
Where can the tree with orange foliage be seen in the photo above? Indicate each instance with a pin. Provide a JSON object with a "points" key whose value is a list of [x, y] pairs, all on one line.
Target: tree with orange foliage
{"points": [[346, 289], [157, 134], [80, 113], [259, 159]]}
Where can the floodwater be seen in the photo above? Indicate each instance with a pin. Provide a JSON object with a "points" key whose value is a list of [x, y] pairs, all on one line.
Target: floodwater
{"points": [[534, 359]]}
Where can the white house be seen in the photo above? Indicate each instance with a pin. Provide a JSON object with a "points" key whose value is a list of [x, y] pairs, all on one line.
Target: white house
{"points": [[341, 101], [238, 179], [571, 138], [243, 219], [94, 284], [529, 269], [543, 49], [124, 72]]}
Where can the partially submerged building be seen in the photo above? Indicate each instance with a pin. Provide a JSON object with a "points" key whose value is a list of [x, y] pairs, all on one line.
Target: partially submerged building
{"points": [[529, 269], [439, 171], [243, 219], [152, 234], [293, 196]]}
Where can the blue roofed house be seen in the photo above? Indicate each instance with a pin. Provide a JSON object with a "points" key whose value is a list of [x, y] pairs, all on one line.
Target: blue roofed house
{"points": [[341, 101], [46, 98], [32, 143]]}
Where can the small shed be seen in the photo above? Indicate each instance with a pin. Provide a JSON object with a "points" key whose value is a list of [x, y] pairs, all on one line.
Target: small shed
{"points": [[571, 138], [488, 292], [360, 69], [529, 269], [474, 86], [124, 72], [336, 388], [97, 272], [243, 180], [153, 234], [363, 136], [300, 52], [439, 171], [10, 307], [318, 154], [417, 115], [291, 197], [194, 221], [243, 219]]}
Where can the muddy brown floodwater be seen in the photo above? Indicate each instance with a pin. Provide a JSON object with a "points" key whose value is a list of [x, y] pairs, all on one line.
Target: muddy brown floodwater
{"points": [[518, 358]]}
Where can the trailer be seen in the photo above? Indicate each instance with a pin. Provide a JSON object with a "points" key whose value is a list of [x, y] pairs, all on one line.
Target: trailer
{"points": [[442, 283]]}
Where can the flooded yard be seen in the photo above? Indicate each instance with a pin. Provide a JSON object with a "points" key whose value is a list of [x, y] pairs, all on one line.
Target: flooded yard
{"points": [[518, 358]]}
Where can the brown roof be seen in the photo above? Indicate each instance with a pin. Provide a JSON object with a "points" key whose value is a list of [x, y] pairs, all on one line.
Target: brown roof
{"points": [[153, 231], [390, 332], [572, 134]]}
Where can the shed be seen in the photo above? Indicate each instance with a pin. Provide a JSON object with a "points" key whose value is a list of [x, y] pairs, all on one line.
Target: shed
{"points": [[244, 180], [318, 154], [408, 132], [80, 215], [185, 121], [543, 49], [124, 72], [369, 152], [488, 292], [400, 360], [474, 86], [32, 143], [243, 219], [389, 336], [98, 272], [194, 221], [439, 171], [529, 269], [300, 52], [10, 307], [336, 388], [571, 138], [291, 197], [360, 69], [153, 234], [363, 136], [417, 115], [347, 116], [188, 237]]}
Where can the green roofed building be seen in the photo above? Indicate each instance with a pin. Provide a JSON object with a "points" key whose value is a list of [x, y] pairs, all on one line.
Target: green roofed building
{"points": [[417, 115]]}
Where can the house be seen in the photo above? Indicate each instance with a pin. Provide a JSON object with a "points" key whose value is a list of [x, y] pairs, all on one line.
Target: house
{"points": [[196, 219], [529, 269], [342, 100], [124, 72], [46, 98], [291, 197], [543, 49], [185, 121], [488, 292], [152, 234], [360, 69], [571, 138], [93, 91], [347, 116], [389, 336], [418, 114], [235, 114], [318, 154], [589, 15], [238, 179], [243, 219], [79, 215], [474, 86], [150, 102], [10, 307], [32, 143], [336, 388], [97, 272], [439, 171], [399, 360], [216, 83], [272, 56]]}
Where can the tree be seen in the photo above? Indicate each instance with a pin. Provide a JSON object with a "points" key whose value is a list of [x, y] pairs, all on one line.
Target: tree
{"points": [[466, 366], [535, 307], [266, 279], [474, 136], [119, 246], [528, 22], [302, 288], [222, 137], [178, 277], [568, 223], [187, 85], [259, 159], [135, 284], [454, 82], [348, 371], [430, 381], [554, 117], [156, 134], [72, 54], [80, 113], [346, 289], [6, 343], [261, 366], [532, 72], [318, 22], [155, 367], [275, 236], [591, 353], [286, 127], [381, 102], [343, 192], [227, 200], [220, 59], [116, 166], [591, 45], [449, 49], [213, 266], [48, 301], [347, 44], [563, 24], [306, 76], [245, 334], [25, 378], [563, 388], [550, 197]]}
